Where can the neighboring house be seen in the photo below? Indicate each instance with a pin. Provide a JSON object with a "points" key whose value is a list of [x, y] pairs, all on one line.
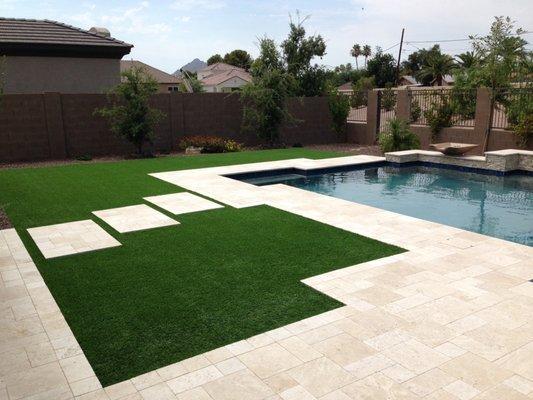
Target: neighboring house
{"points": [[221, 77], [346, 88], [48, 56], [408, 80], [167, 83], [447, 80]]}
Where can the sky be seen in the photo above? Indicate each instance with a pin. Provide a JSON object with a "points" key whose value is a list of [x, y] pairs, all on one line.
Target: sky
{"points": [[169, 33]]}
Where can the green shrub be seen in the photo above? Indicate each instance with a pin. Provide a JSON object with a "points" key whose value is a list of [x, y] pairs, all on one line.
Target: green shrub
{"points": [[388, 99], [397, 136], [415, 111], [339, 107], [439, 115], [210, 144]]}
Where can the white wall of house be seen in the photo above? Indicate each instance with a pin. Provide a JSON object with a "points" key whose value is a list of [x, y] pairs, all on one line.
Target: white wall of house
{"points": [[227, 86]]}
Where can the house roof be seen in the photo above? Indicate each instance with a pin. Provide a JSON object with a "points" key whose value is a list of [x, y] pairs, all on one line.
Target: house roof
{"points": [[51, 38], [411, 79], [345, 87], [157, 74], [220, 66], [217, 79]]}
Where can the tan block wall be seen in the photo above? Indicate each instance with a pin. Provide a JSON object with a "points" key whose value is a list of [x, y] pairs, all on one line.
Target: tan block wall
{"points": [[25, 75]]}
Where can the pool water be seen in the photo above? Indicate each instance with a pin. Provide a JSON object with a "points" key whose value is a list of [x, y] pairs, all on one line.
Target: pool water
{"points": [[499, 206]]}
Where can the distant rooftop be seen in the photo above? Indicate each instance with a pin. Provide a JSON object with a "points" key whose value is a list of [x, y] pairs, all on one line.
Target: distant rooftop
{"points": [[52, 38], [225, 75], [157, 74]]}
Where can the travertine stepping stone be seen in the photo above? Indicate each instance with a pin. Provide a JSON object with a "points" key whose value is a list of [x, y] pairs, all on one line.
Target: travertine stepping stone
{"points": [[71, 238], [134, 218], [181, 203]]}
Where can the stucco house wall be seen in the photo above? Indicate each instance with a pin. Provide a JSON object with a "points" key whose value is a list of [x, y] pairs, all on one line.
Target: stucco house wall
{"points": [[60, 74], [226, 86]]}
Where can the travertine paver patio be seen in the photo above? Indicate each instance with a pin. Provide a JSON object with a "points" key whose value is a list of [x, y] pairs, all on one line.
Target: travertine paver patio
{"points": [[452, 318], [134, 218], [182, 203], [71, 238]]}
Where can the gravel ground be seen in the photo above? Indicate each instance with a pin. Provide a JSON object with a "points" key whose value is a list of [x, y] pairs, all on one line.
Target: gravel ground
{"points": [[5, 223]]}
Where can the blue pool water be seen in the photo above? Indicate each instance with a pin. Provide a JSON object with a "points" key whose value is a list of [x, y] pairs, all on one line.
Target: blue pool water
{"points": [[499, 206]]}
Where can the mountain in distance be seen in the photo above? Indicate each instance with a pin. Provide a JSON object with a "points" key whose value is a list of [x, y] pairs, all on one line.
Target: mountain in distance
{"points": [[194, 66]]}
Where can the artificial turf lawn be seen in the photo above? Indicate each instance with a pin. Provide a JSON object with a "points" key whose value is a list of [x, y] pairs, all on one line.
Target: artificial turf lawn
{"points": [[170, 293]]}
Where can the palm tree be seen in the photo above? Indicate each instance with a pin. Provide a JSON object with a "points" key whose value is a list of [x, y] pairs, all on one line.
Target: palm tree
{"points": [[437, 66], [467, 60], [366, 52], [356, 52]]}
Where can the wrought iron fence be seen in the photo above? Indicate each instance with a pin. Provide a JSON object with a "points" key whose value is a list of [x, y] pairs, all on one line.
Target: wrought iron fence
{"points": [[387, 99], [358, 102], [509, 105], [459, 105]]}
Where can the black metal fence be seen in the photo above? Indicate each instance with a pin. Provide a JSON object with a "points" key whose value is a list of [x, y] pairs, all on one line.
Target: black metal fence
{"points": [[358, 102], [509, 105], [387, 100], [459, 106]]}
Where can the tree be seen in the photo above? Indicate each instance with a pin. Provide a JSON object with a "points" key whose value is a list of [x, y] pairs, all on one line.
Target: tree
{"points": [[467, 59], [383, 68], [239, 58], [269, 58], [355, 51], [215, 58], [417, 60], [130, 115], [436, 67], [339, 107], [366, 52]]}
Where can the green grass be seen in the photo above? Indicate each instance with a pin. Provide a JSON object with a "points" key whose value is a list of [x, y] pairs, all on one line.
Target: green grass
{"points": [[170, 293]]}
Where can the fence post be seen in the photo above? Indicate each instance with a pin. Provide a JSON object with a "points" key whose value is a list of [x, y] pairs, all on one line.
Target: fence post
{"points": [[54, 125], [482, 119], [372, 116], [403, 105]]}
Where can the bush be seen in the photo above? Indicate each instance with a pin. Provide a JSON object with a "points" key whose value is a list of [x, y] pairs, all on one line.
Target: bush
{"points": [[439, 115], [339, 107], [397, 137], [520, 115], [210, 144], [416, 111], [388, 99]]}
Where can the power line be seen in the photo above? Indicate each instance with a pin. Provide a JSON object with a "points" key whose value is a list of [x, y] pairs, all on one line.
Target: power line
{"points": [[388, 48], [455, 40]]}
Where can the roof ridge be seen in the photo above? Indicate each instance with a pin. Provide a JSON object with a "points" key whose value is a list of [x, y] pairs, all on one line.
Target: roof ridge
{"points": [[112, 39], [50, 21]]}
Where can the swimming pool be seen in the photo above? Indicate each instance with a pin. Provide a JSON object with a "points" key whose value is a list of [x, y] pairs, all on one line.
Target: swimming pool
{"points": [[499, 206]]}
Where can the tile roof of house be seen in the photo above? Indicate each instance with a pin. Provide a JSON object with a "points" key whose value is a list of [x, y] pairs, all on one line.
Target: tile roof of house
{"points": [[345, 86], [19, 35], [221, 77], [220, 66], [410, 79], [157, 74]]}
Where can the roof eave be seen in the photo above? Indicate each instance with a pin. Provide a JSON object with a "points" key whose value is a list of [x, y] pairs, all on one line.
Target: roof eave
{"points": [[63, 50]]}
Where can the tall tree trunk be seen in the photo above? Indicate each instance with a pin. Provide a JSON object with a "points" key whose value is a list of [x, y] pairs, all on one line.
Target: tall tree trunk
{"points": [[356, 63]]}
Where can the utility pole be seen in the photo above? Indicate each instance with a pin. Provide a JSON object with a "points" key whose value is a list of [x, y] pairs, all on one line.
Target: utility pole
{"points": [[399, 56]]}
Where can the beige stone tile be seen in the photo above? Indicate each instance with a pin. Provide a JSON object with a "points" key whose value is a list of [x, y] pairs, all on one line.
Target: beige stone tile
{"points": [[280, 382], [520, 384], [195, 394], [86, 385], [161, 391], [378, 295], [319, 334], [134, 218], [13, 361], [146, 380], [239, 347], [97, 395], [336, 395], [71, 238], [194, 379], [398, 373], [120, 390], [230, 365], [195, 363], [519, 361], [388, 339], [300, 349], [246, 384], [260, 340], [429, 382], [378, 387], [344, 349], [182, 203], [441, 394], [217, 355], [269, 360], [415, 356], [451, 350], [37, 381], [297, 393], [502, 392], [320, 376], [476, 371], [40, 353], [461, 390], [76, 368], [369, 365]]}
